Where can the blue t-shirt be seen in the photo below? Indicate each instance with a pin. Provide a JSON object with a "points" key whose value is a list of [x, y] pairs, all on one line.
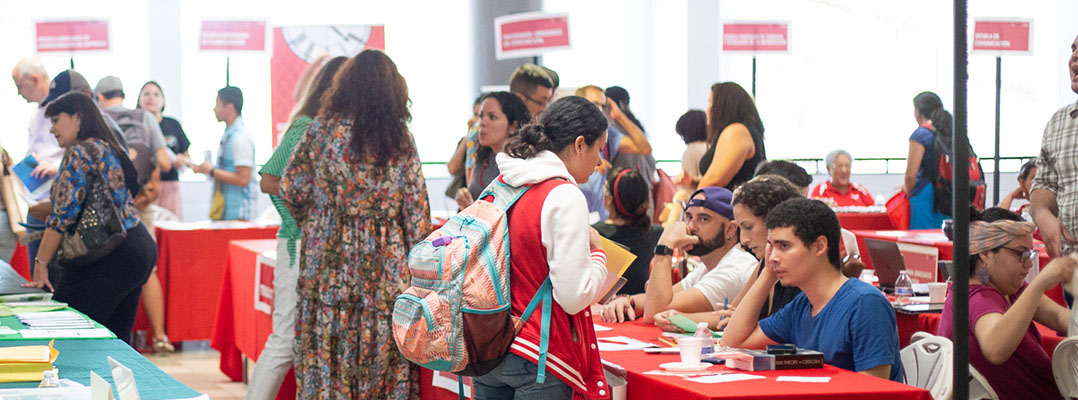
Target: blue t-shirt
{"points": [[926, 138], [593, 188], [855, 331]]}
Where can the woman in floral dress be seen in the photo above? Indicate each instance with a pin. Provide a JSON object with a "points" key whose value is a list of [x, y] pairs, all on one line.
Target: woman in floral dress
{"points": [[355, 187]]}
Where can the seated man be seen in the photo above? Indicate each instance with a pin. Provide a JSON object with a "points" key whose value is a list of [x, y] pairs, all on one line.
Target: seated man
{"points": [[839, 190], [847, 320], [724, 268]]}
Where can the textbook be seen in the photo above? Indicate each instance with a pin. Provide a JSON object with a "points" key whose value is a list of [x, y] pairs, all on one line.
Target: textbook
{"points": [[759, 360], [23, 170]]}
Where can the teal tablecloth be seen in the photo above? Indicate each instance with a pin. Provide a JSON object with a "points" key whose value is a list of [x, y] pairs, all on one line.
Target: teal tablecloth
{"points": [[79, 357]]}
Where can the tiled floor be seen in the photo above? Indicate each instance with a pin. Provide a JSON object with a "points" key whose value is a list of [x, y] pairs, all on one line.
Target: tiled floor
{"points": [[197, 367]]}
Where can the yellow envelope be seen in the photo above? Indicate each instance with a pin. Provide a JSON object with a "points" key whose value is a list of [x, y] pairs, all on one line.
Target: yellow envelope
{"points": [[26, 363]]}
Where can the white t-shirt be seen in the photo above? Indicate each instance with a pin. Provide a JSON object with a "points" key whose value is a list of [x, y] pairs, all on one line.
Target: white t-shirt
{"points": [[725, 280]]}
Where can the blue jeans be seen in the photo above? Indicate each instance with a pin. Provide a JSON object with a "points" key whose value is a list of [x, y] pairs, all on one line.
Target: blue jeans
{"points": [[514, 379], [923, 214]]}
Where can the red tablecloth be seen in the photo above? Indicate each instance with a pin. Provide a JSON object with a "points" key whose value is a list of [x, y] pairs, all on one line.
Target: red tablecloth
{"points": [[935, 238], [865, 221], [20, 261], [191, 261], [843, 385], [240, 329]]}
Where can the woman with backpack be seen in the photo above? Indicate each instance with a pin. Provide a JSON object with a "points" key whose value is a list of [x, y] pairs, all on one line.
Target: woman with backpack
{"points": [[550, 238], [922, 161]]}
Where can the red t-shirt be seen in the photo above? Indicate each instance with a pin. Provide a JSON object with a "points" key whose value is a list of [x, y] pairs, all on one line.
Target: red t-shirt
{"points": [[857, 195]]}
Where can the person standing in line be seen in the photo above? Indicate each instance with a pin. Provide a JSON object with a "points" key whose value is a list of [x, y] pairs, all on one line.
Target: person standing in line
{"points": [[355, 187], [922, 161], [234, 186], [277, 355], [107, 290], [152, 98]]}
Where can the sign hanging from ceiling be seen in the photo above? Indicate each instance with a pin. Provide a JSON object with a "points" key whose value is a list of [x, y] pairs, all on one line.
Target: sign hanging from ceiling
{"points": [[1002, 35], [71, 35], [756, 37], [530, 34], [232, 36]]}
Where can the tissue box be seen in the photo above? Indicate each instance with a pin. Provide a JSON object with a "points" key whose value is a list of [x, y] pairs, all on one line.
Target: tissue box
{"points": [[756, 360]]}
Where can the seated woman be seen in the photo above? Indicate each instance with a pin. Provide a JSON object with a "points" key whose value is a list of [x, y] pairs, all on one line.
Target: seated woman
{"points": [[1025, 185], [501, 114], [838, 190], [627, 201], [1004, 344]]}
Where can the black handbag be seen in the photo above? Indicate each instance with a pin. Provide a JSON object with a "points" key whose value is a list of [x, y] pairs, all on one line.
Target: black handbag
{"points": [[99, 230]]}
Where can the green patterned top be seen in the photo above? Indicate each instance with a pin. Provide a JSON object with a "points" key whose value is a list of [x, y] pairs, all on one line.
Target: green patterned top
{"points": [[275, 166]]}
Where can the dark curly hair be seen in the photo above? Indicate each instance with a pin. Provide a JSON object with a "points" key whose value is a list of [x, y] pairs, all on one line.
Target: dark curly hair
{"points": [[629, 192], [809, 219], [370, 93], [515, 112], [761, 194], [559, 126], [730, 104]]}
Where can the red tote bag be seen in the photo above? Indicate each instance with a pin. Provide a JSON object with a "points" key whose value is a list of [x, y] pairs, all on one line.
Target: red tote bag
{"points": [[898, 210]]}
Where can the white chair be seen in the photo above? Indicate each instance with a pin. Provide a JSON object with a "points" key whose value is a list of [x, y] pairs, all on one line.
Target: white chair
{"points": [[927, 363], [1065, 366], [978, 386]]}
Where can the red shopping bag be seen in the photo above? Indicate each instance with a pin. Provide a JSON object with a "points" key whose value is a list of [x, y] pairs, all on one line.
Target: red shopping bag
{"points": [[898, 210]]}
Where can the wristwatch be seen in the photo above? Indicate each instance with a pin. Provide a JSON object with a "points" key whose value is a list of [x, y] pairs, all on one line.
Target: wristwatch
{"points": [[662, 250]]}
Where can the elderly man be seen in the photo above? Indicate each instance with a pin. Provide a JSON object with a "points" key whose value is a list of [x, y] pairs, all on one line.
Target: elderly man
{"points": [[839, 189]]}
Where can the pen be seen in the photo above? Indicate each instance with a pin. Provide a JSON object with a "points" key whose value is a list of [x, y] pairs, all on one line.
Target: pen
{"points": [[667, 342], [725, 302]]}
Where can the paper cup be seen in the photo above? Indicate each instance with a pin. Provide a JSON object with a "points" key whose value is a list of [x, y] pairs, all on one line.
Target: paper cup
{"points": [[690, 350], [937, 292], [867, 275]]}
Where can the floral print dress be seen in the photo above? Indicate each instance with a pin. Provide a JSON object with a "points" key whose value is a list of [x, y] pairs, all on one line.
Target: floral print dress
{"points": [[358, 222]]}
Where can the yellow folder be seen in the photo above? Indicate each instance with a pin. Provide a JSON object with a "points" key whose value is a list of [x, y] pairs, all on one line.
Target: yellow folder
{"points": [[26, 363], [618, 259]]}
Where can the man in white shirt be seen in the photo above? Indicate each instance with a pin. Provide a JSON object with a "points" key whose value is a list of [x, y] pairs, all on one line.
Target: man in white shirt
{"points": [[724, 268], [33, 83]]}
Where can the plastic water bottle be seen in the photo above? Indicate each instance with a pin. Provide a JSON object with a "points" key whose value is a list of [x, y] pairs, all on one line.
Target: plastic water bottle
{"points": [[704, 333], [51, 379], [903, 287]]}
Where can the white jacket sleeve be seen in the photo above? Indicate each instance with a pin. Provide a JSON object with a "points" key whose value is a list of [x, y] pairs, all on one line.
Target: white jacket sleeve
{"points": [[575, 275]]}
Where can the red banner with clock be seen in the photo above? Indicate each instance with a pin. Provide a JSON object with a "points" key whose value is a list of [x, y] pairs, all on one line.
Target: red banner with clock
{"points": [[295, 48]]}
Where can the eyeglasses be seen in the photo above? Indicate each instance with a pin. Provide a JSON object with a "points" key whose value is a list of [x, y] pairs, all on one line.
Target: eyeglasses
{"points": [[1023, 255], [537, 102]]}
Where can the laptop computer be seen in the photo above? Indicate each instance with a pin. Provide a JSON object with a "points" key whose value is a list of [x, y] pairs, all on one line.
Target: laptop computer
{"points": [[887, 260]]}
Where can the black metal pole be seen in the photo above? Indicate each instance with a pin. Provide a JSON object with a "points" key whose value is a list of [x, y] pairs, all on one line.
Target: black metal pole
{"points": [[228, 67], [754, 77], [960, 211], [995, 173], [535, 60], [71, 60]]}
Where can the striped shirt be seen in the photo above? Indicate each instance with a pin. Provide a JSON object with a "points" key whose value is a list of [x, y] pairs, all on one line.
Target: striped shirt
{"points": [[1057, 167], [275, 166]]}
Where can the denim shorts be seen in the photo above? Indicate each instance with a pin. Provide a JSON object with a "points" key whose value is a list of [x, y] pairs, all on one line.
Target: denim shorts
{"points": [[514, 379]]}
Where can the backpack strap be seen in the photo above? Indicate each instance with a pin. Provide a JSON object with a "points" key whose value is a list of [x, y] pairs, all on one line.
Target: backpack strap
{"points": [[545, 296], [502, 195]]}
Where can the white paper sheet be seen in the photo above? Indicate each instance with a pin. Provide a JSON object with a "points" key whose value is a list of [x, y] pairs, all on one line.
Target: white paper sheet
{"points": [[806, 379], [600, 328], [619, 343], [65, 333], [724, 378]]}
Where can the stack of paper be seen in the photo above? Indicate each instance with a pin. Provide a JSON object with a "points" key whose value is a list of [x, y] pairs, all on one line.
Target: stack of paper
{"points": [[59, 324], [26, 363]]}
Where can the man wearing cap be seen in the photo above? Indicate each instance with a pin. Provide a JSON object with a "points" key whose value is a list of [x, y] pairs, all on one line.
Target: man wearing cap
{"points": [[709, 233], [140, 129]]}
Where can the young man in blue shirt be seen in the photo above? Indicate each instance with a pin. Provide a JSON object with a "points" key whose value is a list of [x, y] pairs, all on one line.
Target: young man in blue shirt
{"points": [[850, 322]]}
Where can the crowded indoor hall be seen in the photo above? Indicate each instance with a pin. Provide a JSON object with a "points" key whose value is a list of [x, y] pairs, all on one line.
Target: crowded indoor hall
{"points": [[539, 199]]}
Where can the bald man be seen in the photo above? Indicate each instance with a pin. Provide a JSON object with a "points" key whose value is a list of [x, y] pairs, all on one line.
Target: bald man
{"points": [[33, 83]]}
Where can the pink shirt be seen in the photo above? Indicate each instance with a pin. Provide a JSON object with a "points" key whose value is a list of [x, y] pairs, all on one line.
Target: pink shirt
{"points": [[857, 195], [1028, 373]]}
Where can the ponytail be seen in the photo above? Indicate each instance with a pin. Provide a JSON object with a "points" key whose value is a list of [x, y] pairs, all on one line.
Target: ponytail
{"points": [[942, 123], [558, 127]]}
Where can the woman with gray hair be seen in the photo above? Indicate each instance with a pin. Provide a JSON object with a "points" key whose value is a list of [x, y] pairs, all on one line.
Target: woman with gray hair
{"points": [[839, 189]]}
